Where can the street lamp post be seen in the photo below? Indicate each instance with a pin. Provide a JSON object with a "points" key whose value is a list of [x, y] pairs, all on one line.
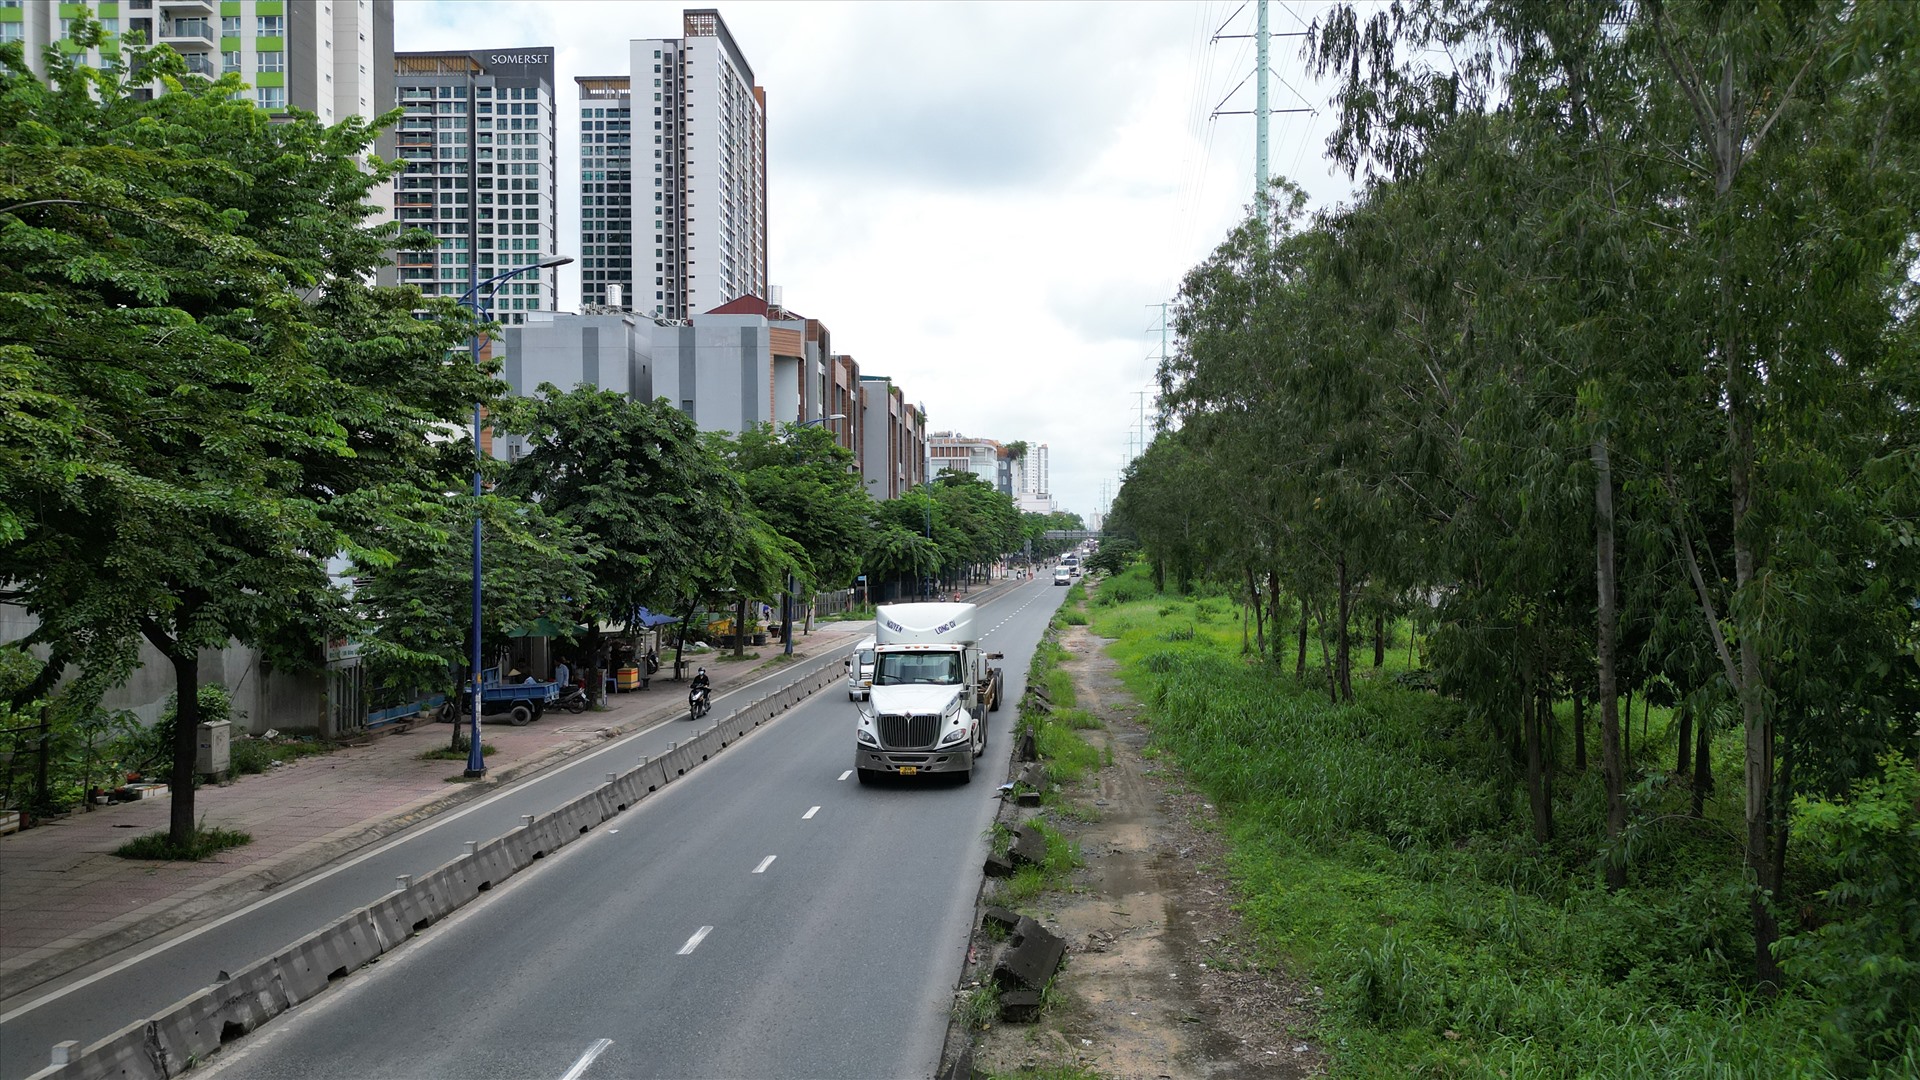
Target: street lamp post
{"points": [[786, 602], [483, 307]]}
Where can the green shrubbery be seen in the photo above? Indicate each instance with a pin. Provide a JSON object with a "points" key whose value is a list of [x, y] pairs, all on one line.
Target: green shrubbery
{"points": [[1384, 845]]}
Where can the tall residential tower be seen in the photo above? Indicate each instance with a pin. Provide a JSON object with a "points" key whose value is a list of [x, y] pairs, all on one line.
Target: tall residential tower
{"points": [[478, 141], [673, 175]]}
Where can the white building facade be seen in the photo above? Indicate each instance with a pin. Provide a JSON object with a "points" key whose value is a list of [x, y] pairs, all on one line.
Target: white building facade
{"points": [[321, 56]]}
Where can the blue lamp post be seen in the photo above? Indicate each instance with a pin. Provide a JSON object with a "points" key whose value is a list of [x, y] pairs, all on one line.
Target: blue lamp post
{"points": [[482, 306]]}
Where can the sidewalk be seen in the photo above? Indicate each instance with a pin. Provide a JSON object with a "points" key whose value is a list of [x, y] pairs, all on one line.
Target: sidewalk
{"points": [[67, 901]]}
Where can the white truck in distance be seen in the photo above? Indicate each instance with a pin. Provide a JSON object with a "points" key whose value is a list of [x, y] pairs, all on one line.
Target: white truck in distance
{"points": [[932, 690]]}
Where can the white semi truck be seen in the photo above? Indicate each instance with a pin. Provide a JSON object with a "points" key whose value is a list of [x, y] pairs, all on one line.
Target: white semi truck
{"points": [[926, 711]]}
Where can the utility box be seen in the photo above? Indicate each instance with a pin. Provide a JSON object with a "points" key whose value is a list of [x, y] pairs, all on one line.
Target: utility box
{"points": [[214, 758]]}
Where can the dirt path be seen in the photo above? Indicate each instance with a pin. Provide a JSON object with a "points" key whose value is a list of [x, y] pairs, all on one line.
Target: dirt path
{"points": [[1158, 981]]}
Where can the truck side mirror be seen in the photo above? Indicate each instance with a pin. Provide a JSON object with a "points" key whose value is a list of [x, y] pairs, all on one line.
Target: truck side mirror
{"points": [[996, 656]]}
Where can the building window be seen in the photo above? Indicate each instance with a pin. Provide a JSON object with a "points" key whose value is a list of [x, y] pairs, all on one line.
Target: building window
{"points": [[230, 25], [230, 61], [273, 61], [13, 31], [270, 26], [271, 97]]}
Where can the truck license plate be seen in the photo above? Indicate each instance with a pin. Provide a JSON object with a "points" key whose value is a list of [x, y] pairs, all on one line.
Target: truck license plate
{"points": [[909, 770]]}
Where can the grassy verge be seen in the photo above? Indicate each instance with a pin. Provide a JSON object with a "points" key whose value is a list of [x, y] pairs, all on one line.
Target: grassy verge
{"points": [[1382, 846], [204, 843]]}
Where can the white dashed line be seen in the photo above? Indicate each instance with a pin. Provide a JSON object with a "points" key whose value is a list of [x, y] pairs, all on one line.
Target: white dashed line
{"points": [[808, 816], [846, 774], [762, 868], [580, 1067], [693, 942]]}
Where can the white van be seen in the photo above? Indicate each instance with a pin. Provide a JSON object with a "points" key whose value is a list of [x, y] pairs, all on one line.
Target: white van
{"points": [[860, 670]]}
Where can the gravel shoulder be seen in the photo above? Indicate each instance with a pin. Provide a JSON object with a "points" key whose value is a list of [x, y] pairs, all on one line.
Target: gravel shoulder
{"points": [[1159, 980]]}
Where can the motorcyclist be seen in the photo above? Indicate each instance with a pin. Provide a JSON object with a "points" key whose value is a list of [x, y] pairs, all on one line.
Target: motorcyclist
{"points": [[702, 687]]}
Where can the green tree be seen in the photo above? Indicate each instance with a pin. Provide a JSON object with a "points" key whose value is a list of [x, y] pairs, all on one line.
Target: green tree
{"points": [[213, 387]]}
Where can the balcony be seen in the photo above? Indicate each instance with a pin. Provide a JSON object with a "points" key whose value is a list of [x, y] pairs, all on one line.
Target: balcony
{"points": [[185, 34], [186, 9]]}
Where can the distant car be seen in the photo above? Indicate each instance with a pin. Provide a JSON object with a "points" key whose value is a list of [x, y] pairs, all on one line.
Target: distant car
{"points": [[1063, 576]]}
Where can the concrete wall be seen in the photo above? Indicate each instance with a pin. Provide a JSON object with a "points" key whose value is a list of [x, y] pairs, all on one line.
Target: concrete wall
{"points": [[262, 699]]}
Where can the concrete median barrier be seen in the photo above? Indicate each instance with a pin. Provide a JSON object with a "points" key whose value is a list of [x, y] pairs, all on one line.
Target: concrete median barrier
{"points": [[392, 916], [311, 963], [132, 1053]]}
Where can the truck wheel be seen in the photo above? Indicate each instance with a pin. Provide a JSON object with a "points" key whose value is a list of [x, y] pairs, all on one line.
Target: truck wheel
{"points": [[866, 776], [999, 687], [521, 716], [967, 777]]}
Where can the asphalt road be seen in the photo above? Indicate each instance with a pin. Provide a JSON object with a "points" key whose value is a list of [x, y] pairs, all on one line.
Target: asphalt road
{"points": [[766, 917]]}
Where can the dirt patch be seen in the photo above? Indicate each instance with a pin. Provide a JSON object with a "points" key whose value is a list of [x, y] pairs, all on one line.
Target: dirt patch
{"points": [[1159, 980]]}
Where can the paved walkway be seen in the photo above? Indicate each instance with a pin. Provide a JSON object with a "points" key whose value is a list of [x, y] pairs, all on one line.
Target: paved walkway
{"points": [[66, 900]]}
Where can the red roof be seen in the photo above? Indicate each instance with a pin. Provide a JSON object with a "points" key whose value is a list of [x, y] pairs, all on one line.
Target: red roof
{"points": [[744, 305]]}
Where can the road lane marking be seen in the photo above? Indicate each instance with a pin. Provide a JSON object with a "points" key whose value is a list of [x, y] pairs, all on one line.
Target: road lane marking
{"points": [[846, 774], [808, 816], [693, 942], [762, 868], [580, 1067]]}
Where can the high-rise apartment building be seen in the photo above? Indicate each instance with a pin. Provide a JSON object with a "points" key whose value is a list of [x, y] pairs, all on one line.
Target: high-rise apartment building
{"points": [[478, 141], [606, 193], [321, 56], [684, 228]]}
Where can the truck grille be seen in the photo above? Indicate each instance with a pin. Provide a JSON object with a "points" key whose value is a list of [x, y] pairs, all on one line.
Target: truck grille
{"points": [[908, 732]]}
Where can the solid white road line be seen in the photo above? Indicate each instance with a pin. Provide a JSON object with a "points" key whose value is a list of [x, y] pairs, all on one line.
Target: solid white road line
{"points": [[846, 774], [808, 816], [580, 1067], [693, 942]]}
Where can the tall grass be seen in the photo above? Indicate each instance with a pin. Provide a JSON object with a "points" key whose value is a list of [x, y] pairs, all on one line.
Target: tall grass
{"points": [[1383, 846]]}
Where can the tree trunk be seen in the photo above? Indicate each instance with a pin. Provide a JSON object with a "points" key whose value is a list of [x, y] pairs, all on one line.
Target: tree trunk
{"points": [[1259, 616], [1333, 679], [1300, 659], [1273, 609], [1343, 675], [42, 784], [1379, 642], [1702, 764], [186, 729], [1579, 731], [1604, 644], [1626, 735], [1683, 753], [740, 629], [1536, 767]]}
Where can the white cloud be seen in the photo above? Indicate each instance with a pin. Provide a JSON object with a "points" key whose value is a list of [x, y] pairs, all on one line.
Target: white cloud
{"points": [[981, 200]]}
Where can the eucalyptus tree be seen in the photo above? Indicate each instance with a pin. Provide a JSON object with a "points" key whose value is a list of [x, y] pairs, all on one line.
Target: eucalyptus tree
{"points": [[218, 399], [1763, 146]]}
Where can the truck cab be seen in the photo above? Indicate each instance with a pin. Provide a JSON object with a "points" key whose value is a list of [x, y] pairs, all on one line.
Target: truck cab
{"points": [[932, 688]]}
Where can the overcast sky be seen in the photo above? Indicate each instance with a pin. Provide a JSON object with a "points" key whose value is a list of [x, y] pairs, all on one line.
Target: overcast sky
{"points": [[983, 201]]}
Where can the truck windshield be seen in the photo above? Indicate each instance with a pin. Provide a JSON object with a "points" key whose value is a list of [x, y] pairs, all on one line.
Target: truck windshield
{"points": [[898, 668]]}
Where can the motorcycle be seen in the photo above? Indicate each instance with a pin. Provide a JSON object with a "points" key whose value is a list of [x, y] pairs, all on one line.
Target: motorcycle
{"points": [[573, 698], [699, 701]]}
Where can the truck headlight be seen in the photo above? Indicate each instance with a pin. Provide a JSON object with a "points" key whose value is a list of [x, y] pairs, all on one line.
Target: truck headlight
{"points": [[866, 736]]}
